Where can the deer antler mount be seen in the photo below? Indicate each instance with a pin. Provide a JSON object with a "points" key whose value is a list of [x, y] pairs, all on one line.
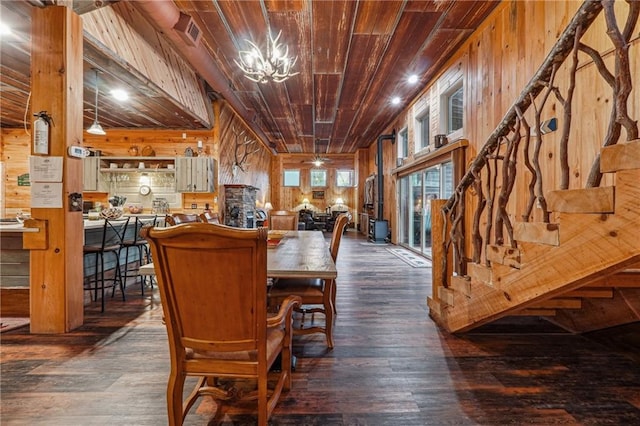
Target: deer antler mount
{"points": [[244, 146]]}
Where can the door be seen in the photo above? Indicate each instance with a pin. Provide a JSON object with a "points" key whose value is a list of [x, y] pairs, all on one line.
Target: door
{"points": [[415, 193]]}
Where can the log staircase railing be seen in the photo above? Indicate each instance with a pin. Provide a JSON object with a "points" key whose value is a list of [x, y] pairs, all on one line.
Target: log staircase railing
{"points": [[491, 176]]}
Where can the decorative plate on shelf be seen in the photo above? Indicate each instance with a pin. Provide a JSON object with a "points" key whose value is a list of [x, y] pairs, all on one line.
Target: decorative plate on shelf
{"points": [[147, 151]]}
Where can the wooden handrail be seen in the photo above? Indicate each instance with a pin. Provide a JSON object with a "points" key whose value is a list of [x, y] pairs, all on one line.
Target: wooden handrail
{"points": [[514, 132]]}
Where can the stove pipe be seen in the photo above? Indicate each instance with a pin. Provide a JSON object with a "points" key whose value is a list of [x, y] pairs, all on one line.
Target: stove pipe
{"points": [[392, 137]]}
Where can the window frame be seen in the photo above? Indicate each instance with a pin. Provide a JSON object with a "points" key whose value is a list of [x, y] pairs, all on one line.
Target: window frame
{"points": [[446, 107], [324, 178], [403, 143], [291, 172], [352, 178], [422, 131]]}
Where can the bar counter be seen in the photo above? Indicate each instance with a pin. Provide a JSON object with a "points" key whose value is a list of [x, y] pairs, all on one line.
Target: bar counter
{"points": [[14, 260]]}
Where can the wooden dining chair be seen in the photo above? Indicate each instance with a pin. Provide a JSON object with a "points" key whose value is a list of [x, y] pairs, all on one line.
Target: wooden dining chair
{"points": [[216, 317], [313, 291], [178, 218], [283, 220]]}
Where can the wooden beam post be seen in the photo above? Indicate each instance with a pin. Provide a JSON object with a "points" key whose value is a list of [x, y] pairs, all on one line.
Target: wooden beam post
{"points": [[56, 287], [439, 275]]}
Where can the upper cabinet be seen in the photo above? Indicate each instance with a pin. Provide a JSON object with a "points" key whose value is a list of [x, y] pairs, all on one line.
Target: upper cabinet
{"points": [[195, 174], [90, 173]]}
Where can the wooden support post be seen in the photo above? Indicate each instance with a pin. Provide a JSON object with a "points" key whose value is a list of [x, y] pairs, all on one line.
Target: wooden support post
{"points": [[56, 290], [439, 275]]}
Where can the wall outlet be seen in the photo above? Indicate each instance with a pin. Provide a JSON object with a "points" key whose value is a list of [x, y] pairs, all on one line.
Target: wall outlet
{"points": [[194, 206]]}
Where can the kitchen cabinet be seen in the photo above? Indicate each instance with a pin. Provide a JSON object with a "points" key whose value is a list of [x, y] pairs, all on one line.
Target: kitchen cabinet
{"points": [[195, 174], [90, 173]]}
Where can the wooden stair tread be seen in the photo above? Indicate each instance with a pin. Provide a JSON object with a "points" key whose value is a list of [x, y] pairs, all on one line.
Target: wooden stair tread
{"points": [[588, 200], [622, 156]]}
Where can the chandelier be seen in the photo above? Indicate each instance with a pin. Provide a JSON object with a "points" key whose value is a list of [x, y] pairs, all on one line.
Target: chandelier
{"points": [[275, 65]]}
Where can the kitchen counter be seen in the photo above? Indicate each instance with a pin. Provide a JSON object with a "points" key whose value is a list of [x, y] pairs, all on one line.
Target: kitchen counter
{"points": [[15, 227]]}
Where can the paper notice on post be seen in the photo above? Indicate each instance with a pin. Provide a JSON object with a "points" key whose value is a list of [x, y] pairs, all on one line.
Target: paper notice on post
{"points": [[45, 169], [46, 195]]}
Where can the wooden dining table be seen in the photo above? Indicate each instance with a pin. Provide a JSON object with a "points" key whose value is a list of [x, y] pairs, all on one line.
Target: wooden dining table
{"points": [[299, 254]]}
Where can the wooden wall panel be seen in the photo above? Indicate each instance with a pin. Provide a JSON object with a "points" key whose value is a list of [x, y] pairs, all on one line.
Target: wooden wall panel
{"points": [[14, 153]]}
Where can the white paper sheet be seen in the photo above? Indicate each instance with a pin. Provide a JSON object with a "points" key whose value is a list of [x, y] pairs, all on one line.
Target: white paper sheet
{"points": [[45, 169]]}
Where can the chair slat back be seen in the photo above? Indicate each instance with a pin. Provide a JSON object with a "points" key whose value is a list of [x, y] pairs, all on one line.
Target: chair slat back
{"points": [[212, 285], [283, 220], [113, 231]]}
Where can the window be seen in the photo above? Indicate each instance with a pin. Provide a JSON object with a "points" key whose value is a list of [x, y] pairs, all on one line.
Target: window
{"points": [[422, 130], [318, 177], [454, 108], [403, 143], [345, 178], [291, 178]]}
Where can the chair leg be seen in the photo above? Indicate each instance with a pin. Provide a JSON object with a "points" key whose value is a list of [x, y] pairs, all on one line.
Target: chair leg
{"points": [[328, 311], [126, 264], [140, 257], [174, 398], [101, 281], [333, 298], [263, 402], [95, 279]]}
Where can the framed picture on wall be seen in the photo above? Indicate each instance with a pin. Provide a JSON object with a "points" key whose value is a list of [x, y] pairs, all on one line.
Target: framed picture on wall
{"points": [[318, 195]]}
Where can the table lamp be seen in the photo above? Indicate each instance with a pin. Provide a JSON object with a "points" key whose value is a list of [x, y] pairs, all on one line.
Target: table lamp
{"points": [[339, 202], [305, 202], [268, 206]]}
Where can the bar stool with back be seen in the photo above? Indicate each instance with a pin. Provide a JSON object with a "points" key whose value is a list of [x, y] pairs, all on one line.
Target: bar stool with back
{"points": [[133, 240], [110, 243]]}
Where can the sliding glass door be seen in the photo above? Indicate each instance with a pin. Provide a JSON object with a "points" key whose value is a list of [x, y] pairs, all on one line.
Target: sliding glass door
{"points": [[415, 192]]}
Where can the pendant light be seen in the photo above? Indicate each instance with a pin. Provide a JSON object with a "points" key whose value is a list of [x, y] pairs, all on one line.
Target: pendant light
{"points": [[96, 128]]}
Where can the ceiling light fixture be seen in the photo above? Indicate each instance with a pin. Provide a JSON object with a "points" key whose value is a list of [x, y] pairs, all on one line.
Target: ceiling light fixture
{"points": [[274, 66], [120, 94], [395, 100], [413, 79], [96, 128], [5, 29]]}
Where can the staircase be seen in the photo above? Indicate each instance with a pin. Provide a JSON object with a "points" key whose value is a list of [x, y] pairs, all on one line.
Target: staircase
{"points": [[575, 259], [582, 272]]}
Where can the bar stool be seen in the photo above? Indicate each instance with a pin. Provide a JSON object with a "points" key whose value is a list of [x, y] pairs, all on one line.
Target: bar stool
{"points": [[110, 243], [135, 241]]}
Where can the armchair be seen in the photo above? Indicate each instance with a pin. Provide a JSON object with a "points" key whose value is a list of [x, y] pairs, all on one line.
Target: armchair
{"points": [[199, 302]]}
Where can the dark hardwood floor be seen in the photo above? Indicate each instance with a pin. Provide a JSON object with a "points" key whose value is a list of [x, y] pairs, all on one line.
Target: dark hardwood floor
{"points": [[391, 365]]}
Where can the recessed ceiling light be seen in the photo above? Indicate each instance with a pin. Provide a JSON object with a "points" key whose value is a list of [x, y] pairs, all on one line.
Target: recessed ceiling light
{"points": [[413, 79], [4, 29], [395, 100], [120, 94]]}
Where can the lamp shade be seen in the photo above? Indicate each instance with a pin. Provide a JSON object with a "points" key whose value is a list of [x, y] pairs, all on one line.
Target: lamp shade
{"points": [[268, 206], [96, 129], [305, 201], [339, 201]]}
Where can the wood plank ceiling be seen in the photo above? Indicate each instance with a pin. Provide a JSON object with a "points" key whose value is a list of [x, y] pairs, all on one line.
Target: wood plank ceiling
{"points": [[353, 57]]}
